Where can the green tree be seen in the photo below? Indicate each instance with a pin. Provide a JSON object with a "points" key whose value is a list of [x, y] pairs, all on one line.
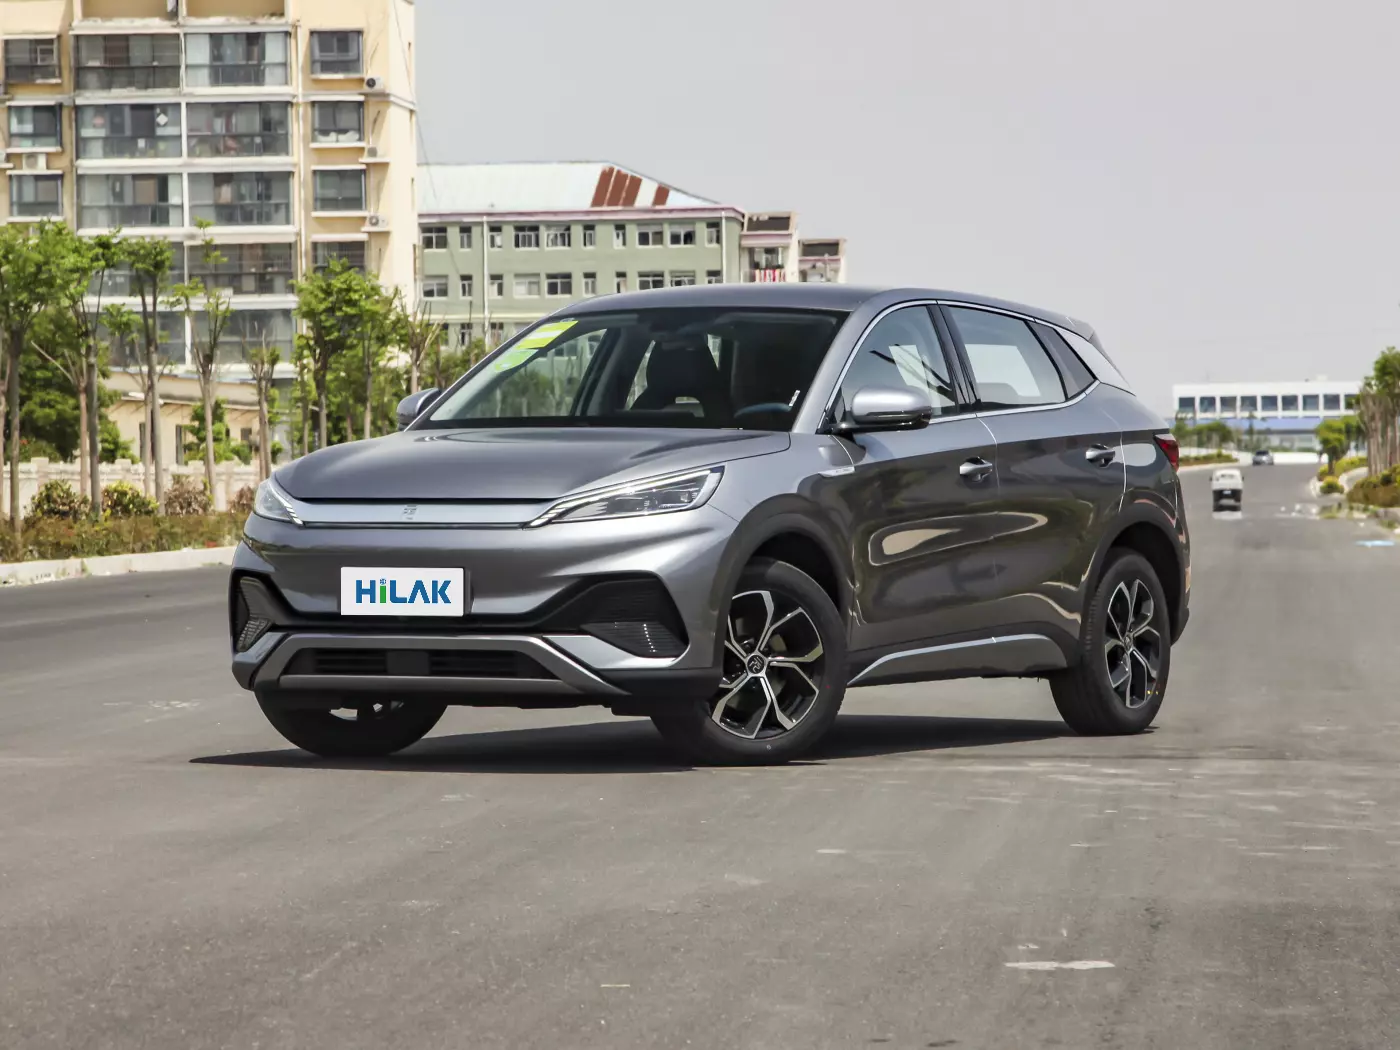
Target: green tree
{"points": [[151, 261], [30, 260], [218, 437], [419, 336], [189, 298], [262, 361], [1333, 439]]}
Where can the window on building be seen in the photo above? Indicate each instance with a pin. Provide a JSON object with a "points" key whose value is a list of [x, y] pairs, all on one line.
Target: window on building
{"points": [[434, 287], [236, 59], [1331, 402], [620, 282], [36, 196], [434, 238], [590, 236], [36, 127], [340, 190], [464, 335], [712, 235], [1249, 403], [619, 236], [242, 198], [682, 235], [497, 286], [124, 132], [464, 238], [336, 53], [526, 285], [1349, 401], [239, 129], [465, 286], [1269, 403], [1290, 402], [650, 236], [494, 238], [1186, 405], [590, 284], [106, 201], [338, 123], [682, 278], [1310, 403], [558, 236], [353, 252], [1009, 365], [903, 350], [247, 269], [248, 329], [714, 277], [649, 279], [498, 333], [1228, 405], [32, 61], [128, 62], [559, 284], [527, 236], [1207, 405]]}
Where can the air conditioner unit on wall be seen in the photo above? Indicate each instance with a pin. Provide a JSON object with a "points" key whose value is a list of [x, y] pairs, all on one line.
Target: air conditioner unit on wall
{"points": [[374, 83], [35, 162], [372, 151], [377, 221]]}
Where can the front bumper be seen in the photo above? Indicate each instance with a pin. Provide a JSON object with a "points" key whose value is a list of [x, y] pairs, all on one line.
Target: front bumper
{"points": [[619, 613]]}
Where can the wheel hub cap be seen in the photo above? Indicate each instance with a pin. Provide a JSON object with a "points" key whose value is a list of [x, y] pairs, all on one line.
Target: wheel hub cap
{"points": [[773, 666], [1132, 643]]}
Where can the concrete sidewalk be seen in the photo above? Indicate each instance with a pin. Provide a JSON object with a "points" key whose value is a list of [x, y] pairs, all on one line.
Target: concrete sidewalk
{"points": [[26, 572]]}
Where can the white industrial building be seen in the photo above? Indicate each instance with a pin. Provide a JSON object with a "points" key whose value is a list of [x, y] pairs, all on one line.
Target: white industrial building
{"points": [[1280, 414]]}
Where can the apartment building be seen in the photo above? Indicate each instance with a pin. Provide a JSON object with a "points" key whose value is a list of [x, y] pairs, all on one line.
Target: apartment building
{"points": [[1279, 414], [772, 250], [501, 245], [289, 125]]}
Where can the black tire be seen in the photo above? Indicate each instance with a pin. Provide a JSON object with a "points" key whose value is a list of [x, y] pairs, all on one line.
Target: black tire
{"points": [[1090, 697], [389, 726], [703, 737]]}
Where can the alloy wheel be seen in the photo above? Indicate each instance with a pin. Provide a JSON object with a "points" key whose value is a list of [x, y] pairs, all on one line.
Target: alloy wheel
{"points": [[773, 666], [1133, 643]]}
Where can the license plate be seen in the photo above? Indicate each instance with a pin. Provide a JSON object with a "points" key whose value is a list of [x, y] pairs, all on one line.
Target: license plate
{"points": [[403, 592]]}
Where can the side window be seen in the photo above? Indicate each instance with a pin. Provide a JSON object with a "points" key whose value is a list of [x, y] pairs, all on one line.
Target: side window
{"points": [[903, 350], [1010, 367], [1075, 373]]}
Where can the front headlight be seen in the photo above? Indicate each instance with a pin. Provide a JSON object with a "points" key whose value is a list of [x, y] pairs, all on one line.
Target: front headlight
{"points": [[654, 496], [272, 503]]}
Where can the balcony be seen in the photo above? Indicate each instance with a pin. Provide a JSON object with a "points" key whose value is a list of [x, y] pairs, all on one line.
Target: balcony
{"points": [[250, 269], [262, 145], [765, 276], [35, 127], [242, 199], [108, 201], [128, 62], [110, 216], [236, 60], [36, 196], [240, 129], [128, 132]]}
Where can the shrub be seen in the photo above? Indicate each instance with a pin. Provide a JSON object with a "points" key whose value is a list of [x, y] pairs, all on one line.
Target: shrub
{"points": [[50, 538], [1331, 486], [1376, 492], [242, 502], [37, 448], [58, 500], [122, 499], [186, 497]]}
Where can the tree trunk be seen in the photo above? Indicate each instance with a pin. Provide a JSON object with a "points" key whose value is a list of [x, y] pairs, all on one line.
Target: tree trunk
{"points": [[157, 460], [349, 423], [264, 438], [369, 402], [412, 373], [84, 485], [207, 389], [12, 396], [94, 450], [321, 413]]}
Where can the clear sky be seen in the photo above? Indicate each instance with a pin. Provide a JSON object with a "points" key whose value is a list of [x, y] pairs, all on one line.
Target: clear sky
{"points": [[1212, 183]]}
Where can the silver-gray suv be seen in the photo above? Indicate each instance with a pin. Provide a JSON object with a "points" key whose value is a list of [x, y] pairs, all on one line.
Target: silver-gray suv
{"points": [[720, 508]]}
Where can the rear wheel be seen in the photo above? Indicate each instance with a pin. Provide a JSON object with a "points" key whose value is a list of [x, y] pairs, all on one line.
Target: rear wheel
{"points": [[374, 727], [1119, 682], [784, 674]]}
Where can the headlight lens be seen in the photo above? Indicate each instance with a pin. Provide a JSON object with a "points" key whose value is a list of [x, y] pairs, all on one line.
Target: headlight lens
{"points": [[643, 498], [272, 503]]}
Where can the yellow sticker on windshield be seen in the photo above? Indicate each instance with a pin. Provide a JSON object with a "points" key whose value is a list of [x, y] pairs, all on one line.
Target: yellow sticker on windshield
{"points": [[545, 334], [513, 358]]}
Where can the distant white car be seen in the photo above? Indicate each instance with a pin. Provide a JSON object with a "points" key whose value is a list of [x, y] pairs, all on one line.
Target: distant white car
{"points": [[1226, 489]]}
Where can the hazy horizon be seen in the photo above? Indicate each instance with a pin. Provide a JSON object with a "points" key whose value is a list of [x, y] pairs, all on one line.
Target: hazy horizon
{"points": [[1213, 188]]}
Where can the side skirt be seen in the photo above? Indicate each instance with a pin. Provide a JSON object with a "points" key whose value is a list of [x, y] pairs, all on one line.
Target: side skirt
{"points": [[1008, 655]]}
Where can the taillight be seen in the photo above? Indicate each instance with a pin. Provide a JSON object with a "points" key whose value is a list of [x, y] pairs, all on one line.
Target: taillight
{"points": [[1168, 444]]}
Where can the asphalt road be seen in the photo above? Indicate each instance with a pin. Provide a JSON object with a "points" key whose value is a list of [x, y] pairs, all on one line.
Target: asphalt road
{"points": [[953, 870]]}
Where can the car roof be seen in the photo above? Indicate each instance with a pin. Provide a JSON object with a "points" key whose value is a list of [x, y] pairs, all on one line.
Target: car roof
{"points": [[815, 296]]}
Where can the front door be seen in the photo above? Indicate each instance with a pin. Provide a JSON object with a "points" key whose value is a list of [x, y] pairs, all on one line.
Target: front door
{"points": [[1059, 465], [916, 502]]}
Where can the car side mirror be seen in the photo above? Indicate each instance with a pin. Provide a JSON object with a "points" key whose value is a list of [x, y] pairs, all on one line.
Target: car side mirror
{"points": [[886, 408], [411, 407]]}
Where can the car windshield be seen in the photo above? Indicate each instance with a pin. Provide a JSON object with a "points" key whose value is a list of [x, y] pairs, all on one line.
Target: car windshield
{"points": [[707, 368]]}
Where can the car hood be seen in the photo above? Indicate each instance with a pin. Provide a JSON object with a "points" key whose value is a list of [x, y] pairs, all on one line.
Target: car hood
{"points": [[510, 464]]}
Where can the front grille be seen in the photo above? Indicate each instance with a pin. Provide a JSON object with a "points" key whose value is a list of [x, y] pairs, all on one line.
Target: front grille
{"points": [[416, 663]]}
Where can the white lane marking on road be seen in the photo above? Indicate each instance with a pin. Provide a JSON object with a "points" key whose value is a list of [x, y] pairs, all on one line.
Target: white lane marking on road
{"points": [[614, 986], [743, 880], [1085, 845], [832, 852], [1027, 947], [1077, 964]]}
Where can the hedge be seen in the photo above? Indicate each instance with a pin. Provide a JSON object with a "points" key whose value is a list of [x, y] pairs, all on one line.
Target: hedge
{"points": [[51, 539], [1379, 491]]}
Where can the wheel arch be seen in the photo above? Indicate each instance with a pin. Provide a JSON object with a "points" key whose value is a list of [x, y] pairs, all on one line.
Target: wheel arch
{"points": [[1151, 534]]}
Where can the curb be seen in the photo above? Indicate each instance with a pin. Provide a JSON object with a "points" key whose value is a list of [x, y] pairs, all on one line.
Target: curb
{"points": [[30, 572]]}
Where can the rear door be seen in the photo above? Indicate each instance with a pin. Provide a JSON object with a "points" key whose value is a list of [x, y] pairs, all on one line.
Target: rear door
{"points": [[1059, 465], [915, 502]]}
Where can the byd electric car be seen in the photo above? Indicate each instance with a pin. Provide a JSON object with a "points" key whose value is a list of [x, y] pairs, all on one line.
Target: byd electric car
{"points": [[721, 507]]}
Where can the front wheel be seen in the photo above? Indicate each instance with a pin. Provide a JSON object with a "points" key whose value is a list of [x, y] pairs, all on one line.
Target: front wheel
{"points": [[1120, 679], [784, 674], [371, 728]]}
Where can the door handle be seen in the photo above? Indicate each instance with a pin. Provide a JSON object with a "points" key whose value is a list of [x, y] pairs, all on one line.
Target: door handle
{"points": [[975, 469], [1101, 455]]}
